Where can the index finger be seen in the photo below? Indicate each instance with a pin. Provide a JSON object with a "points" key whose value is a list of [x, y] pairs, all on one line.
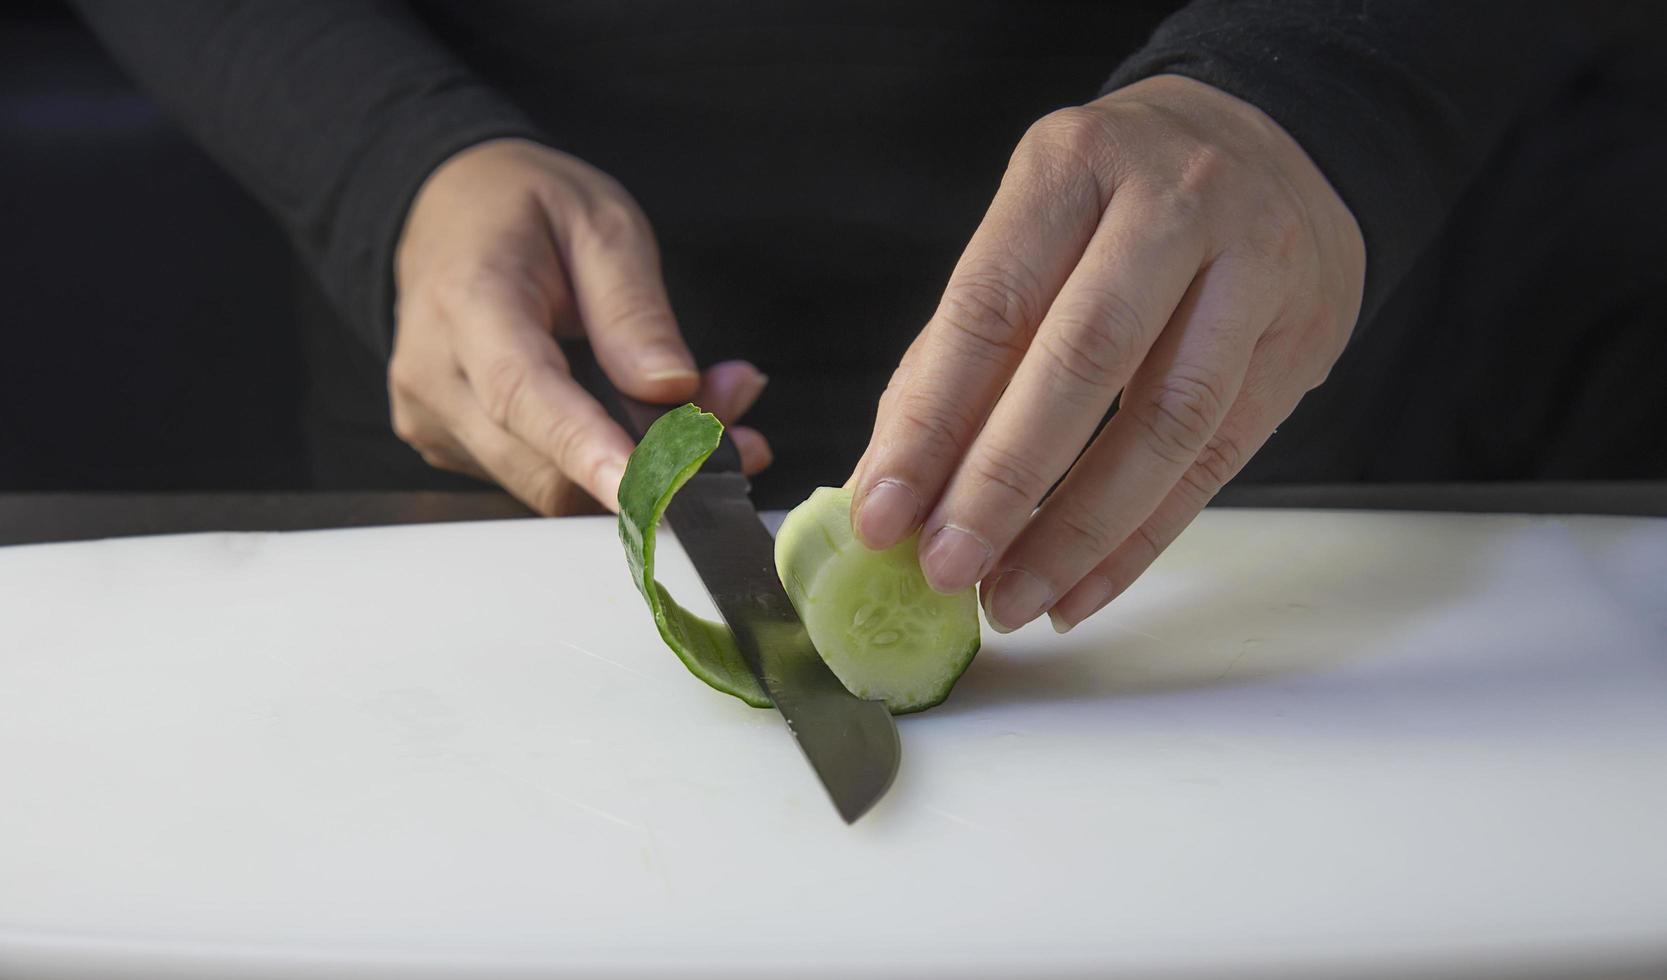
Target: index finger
{"points": [[521, 380], [613, 267], [1041, 219]]}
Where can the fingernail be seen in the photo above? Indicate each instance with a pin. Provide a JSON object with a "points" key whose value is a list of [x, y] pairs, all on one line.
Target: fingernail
{"points": [[1018, 598], [1092, 594], [664, 361], [953, 559], [887, 514]]}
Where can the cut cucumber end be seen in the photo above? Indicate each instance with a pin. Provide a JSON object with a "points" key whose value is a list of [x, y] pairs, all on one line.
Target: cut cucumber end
{"points": [[879, 627]]}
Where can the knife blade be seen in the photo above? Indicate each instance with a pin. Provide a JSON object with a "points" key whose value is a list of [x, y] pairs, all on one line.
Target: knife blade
{"points": [[851, 744]]}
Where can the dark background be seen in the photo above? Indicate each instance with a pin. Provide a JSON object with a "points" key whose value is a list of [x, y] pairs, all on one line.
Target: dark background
{"points": [[145, 301], [148, 306]]}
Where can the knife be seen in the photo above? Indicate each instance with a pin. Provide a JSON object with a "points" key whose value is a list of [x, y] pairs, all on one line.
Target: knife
{"points": [[850, 743]]}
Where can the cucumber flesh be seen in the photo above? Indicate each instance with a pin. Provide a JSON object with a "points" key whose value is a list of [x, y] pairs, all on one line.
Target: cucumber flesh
{"points": [[879, 627]]}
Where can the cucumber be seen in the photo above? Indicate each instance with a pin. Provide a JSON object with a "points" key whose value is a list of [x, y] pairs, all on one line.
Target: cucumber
{"points": [[879, 627]]}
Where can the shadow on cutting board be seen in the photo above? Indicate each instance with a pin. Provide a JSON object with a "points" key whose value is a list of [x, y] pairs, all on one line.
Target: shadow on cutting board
{"points": [[1231, 609]]}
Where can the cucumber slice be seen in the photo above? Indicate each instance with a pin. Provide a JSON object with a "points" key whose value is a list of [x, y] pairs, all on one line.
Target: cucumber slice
{"points": [[877, 624]]}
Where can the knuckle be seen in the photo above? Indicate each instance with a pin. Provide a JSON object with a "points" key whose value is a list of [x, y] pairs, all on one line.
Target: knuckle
{"points": [[413, 428], [1077, 131], [481, 285], [438, 460], [1319, 375], [402, 380], [1321, 334], [563, 437], [990, 313], [1095, 348], [899, 381], [1203, 169], [1089, 530], [1325, 319], [635, 306], [1281, 234], [455, 289], [546, 490], [937, 424], [406, 428], [1070, 151], [1179, 416], [1178, 207], [614, 221], [1151, 542], [1216, 465], [1184, 205], [995, 468], [503, 384], [1289, 231]]}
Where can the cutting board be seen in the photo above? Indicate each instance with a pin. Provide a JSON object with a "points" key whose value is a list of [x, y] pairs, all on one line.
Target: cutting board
{"points": [[1306, 743]]}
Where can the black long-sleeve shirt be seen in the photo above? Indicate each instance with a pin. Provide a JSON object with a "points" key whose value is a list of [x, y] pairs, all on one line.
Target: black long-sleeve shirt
{"points": [[836, 154], [333, 111]]}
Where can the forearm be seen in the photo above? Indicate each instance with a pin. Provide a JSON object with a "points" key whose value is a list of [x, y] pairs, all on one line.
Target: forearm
{"points": [[331, 112]]}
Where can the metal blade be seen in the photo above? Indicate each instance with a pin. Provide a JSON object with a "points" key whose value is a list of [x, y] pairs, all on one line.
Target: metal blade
{"points": [[851, 743]]}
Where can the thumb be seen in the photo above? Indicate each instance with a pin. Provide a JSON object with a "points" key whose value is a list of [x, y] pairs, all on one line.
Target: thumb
{"points": [[615, 271]]}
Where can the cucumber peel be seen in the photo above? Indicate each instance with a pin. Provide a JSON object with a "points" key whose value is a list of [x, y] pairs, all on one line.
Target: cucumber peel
{"points": [[669, 454]]}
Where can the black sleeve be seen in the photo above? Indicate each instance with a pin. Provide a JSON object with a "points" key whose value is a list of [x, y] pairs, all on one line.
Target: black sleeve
{"points": [[331, 112], [1399, 102]]}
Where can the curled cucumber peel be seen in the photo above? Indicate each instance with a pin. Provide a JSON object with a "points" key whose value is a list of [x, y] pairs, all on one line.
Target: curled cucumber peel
{"points": [[669, 454]]}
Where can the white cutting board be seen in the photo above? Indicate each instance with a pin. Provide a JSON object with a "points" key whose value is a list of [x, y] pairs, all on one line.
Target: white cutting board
{"points": [[1315, 743]]}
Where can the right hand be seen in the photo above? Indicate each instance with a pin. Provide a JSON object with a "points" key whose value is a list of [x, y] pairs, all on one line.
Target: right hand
{"points": [[507, 245]]}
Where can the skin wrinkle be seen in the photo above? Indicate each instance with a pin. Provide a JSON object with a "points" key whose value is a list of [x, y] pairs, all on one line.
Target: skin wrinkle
{"points": [[995, 466], [1049, 144], [939, 419], [979, 300], [1095, 349], [1183, 409]]}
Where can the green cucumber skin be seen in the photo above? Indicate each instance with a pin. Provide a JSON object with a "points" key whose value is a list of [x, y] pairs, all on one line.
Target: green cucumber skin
{"points": [[836, 585], [668, 455], [949, 685]]}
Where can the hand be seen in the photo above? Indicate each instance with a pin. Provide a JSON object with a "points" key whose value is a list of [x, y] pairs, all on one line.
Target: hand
{"points": [[1167, 242], [506, 245]]}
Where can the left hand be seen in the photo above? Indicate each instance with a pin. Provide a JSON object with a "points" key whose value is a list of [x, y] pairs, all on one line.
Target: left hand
{"points": [[506, 245], [1168, 242]]}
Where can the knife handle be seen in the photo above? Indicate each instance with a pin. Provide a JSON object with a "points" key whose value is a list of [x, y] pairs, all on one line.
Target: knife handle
{"points": [[635, 415]]}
